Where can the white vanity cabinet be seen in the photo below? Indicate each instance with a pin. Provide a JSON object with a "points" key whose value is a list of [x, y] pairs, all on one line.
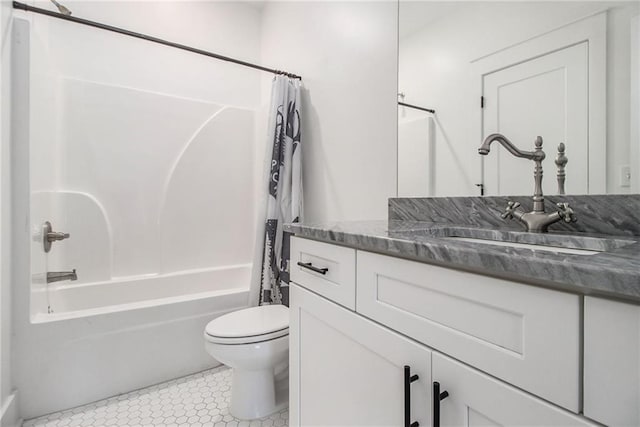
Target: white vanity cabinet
{"points": [[496, 347]]}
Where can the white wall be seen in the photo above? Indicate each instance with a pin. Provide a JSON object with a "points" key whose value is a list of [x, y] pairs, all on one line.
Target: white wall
{"points": [[347, 55], [8, 401], [435, 71], [635, 103], [619, 118]]}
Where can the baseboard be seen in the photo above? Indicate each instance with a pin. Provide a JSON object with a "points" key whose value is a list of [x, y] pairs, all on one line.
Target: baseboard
{"points": [[9, 411]]}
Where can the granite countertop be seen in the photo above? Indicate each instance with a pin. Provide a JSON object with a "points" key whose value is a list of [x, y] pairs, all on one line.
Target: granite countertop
{"points": [[612, 273]]}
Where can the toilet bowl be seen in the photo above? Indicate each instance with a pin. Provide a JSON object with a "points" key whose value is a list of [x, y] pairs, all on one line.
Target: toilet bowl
{"points": [[254, 342]]}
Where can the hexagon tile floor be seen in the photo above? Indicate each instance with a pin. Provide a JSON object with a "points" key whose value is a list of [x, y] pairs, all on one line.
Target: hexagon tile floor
{"points": [[199, 400]]}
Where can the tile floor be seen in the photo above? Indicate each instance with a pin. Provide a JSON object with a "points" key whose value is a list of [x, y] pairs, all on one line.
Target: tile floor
{"points": [[199, 400]]}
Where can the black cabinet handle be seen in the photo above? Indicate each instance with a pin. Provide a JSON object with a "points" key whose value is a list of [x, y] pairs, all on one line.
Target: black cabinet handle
{"points": [[312, 268], [408, 379], [437, 397]]}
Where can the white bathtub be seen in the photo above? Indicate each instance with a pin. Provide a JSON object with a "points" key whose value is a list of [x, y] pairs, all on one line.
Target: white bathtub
{"points": [[103, 339], [67, 300]]}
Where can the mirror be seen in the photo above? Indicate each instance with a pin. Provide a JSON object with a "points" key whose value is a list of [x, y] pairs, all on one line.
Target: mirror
{"points": [[566, 70]]}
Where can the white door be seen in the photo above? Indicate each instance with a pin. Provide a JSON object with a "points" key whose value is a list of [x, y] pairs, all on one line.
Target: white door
{"points": [[348, 371], [546, 96], [476, 399]]}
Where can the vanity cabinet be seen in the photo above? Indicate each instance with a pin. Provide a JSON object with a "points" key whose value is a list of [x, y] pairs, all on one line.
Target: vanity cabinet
{"points": [[493, 345]]}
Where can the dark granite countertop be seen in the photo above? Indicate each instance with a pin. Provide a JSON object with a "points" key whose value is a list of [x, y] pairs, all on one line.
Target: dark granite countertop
{"points": [[612, 273]]}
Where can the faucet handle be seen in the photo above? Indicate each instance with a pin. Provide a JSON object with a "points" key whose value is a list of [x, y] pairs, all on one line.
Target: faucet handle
{"points": [[566, 213], [56, 235], [511, 207]]}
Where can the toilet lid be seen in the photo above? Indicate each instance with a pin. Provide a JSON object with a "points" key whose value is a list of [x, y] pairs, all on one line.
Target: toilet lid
{"points": [[256, 323]]}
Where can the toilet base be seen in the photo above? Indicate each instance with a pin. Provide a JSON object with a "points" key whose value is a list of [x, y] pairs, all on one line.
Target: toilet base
{"points": [[256, 394]]}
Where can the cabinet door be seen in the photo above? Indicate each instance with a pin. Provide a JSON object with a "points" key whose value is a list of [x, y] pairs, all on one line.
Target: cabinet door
{"points": [[476, 399], [348, 371], [612, 362]]}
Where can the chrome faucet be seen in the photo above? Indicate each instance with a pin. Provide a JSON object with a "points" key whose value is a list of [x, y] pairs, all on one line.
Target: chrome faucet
{"points": [[537, 221], [537, 155], [58, 276]]}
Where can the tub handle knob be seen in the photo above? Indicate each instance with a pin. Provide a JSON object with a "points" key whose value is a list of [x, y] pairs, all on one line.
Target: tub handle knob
{"points": [[50, 236], [56, 235]]}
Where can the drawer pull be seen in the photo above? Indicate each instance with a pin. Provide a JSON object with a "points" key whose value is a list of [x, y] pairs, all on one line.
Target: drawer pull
{"points": [[437, 397], [408, 379], [310, 266]]}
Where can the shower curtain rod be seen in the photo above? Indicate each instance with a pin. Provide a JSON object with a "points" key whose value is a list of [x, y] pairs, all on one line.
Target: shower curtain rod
{"points": [[28, 8], [428, 110]]}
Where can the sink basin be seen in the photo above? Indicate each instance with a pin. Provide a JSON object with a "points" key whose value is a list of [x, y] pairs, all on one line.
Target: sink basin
{"points": [[573, 244], [535, 247]]}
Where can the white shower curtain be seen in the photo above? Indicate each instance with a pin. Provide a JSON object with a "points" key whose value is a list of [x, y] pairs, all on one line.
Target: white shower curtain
{"points": [[281, 193]]}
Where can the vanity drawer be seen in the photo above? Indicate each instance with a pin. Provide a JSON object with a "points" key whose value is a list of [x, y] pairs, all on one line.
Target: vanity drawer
{"points": [[525, 335], [329, 270]]}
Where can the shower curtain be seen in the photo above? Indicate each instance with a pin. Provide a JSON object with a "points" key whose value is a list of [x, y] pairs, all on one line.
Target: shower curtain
{"points": [[282, 193]]}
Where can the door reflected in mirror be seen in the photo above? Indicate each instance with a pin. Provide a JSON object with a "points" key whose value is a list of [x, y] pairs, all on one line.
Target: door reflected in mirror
{"points": [[567, 71]]}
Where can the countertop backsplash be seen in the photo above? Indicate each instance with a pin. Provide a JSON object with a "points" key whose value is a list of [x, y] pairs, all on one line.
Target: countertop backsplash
{"points": [[614, 215]]}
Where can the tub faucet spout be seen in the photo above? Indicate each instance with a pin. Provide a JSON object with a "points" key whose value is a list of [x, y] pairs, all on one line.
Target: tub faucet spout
{"points": [[57, 276]]}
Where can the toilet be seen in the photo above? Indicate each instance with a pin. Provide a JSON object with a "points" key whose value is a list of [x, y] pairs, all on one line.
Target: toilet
{"points": [[254, 343]]}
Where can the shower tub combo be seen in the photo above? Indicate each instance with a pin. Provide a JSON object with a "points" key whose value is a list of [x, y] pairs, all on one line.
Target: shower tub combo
{"points": [[161, 239]]}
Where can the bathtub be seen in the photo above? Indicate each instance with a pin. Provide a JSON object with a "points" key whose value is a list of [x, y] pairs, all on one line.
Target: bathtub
{"points": [[107, 338], [67, 300]]}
